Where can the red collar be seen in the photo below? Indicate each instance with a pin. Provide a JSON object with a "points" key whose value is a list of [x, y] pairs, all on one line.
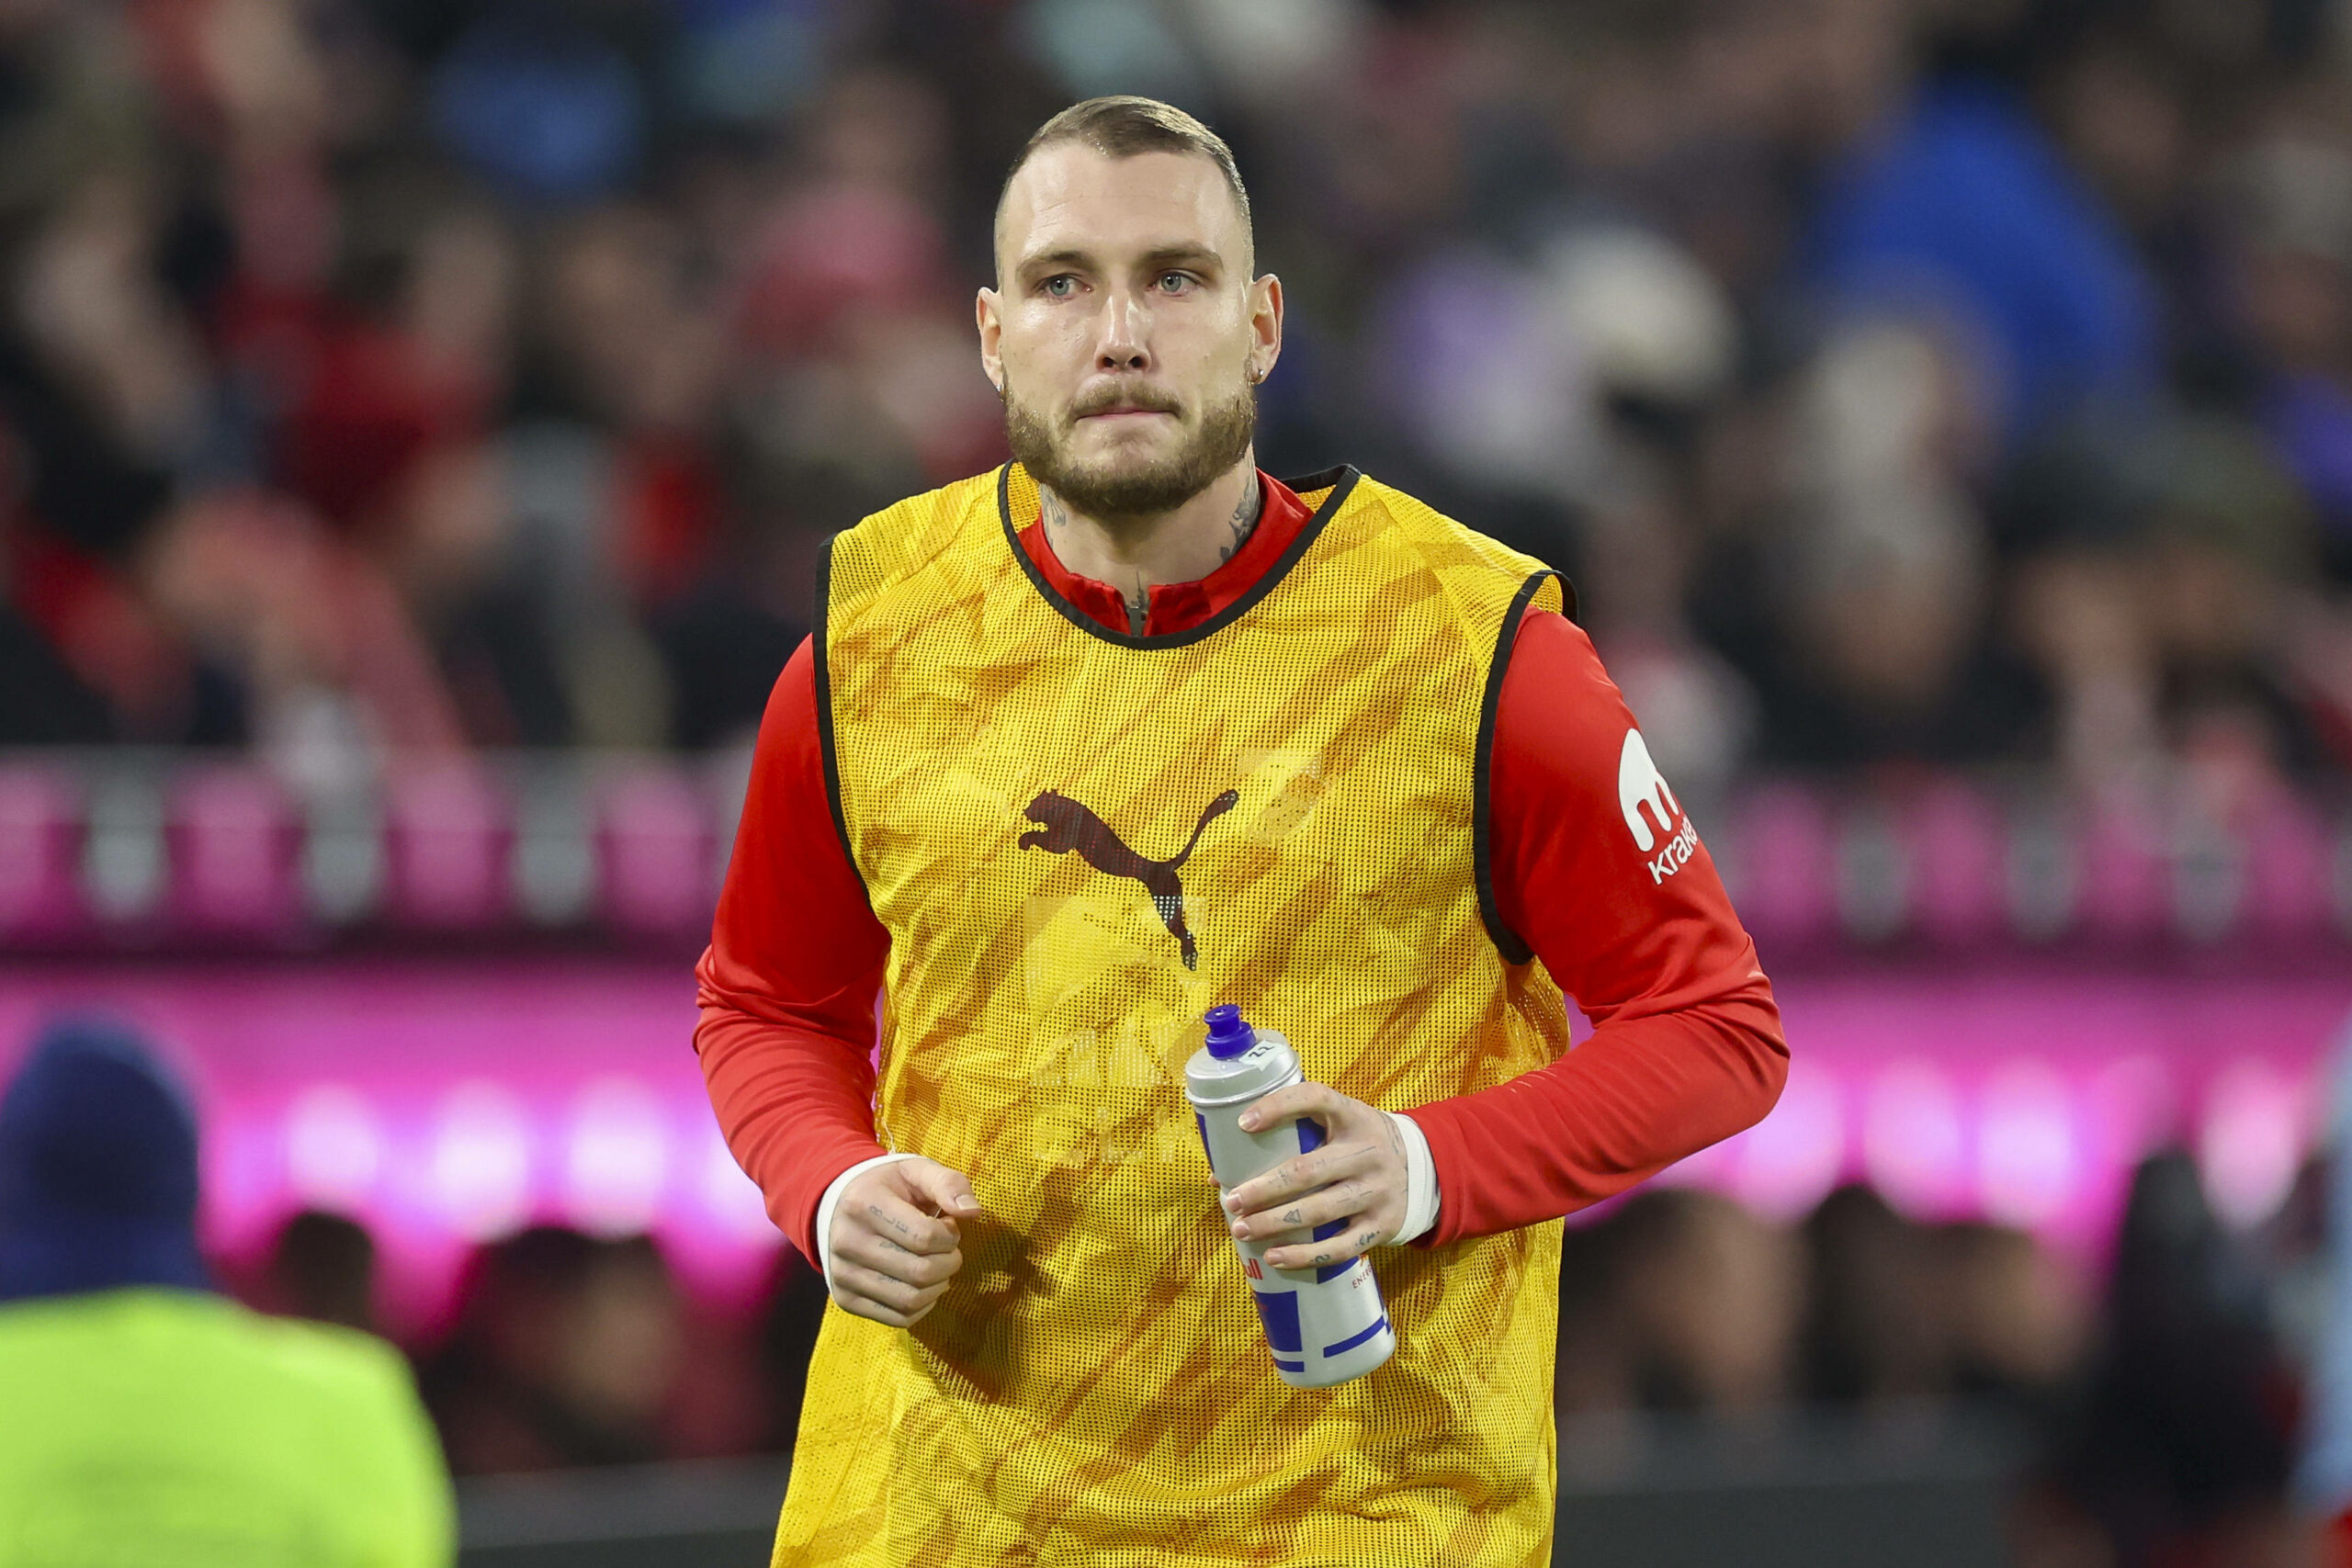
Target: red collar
{"points": [[1179, 607]]}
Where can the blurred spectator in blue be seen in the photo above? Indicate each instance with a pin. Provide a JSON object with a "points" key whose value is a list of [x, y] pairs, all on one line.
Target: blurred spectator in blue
{"points": [[535, 99], [747, 60], [150, 1419], [1960, 210]]}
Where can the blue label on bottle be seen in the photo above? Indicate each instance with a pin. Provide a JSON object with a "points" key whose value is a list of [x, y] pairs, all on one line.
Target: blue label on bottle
{"points": [[1279, 1312], [1311, 1137], [1352, 1340]]}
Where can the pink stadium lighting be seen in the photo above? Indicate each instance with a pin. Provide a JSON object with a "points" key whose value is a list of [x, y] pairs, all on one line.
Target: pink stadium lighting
{"points": [[444, 1104], [2124, 887], [41, 841], [2288, 861], [2254, 1131], [448, 842], [1913, 1141], [1957, 841], [333, 1150], [656, 855], [234, 843], [617, 1153], [1785, 886], [730, 1205], [2028, 1145], [1789, 1160], [479, 1163]]}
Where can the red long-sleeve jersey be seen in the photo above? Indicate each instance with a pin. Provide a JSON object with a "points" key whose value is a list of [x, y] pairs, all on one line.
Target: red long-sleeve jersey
{"points": [[1612, 889]]}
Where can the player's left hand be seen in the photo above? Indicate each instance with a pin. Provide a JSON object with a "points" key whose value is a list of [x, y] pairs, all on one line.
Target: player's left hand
{"points": [[1357, 1176]]}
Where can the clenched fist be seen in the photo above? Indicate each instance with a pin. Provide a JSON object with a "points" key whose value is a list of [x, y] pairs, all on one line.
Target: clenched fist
{"points": [[895, 1240]]}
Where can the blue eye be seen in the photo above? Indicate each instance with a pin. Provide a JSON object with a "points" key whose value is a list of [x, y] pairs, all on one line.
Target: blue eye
{"points": [[1060, 287], [1174, 282]]}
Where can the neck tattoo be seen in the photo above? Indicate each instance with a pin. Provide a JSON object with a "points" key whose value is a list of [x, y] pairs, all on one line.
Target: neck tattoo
{"points": [[1244, 521], [1241, 525]]}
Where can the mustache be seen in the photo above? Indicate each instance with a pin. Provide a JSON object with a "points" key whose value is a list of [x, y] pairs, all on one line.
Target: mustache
{"points": [[1125, 397]]}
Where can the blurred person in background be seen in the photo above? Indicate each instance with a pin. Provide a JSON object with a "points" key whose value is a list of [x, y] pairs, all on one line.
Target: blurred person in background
{"points": [[2021, 1322], [150, 1419], [321, 1266], [1594, 1370], [1877, 1327], [1713, 1296], [1901, 1311], [568, 1351], [795, 1314], [2184, 1447], [2324, 1469]]}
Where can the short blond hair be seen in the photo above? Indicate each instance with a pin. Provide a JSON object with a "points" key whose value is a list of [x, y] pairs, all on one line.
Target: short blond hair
{"points": [[1122, 126]]}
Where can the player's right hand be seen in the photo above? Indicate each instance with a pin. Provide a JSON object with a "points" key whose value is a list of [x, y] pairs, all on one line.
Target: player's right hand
{"points": [[895, 1241]]}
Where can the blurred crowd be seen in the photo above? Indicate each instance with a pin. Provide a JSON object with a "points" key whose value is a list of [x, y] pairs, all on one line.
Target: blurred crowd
{"points": [[2157, 1416], [1963, 381], [2153, 1419]]}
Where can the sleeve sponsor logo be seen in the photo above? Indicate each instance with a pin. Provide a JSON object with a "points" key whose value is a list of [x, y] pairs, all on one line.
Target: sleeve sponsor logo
{"points": [[1652, 812]]}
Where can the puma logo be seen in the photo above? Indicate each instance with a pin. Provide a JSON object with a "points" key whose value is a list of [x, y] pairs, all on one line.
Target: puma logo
{"points": [[1065, 825]]}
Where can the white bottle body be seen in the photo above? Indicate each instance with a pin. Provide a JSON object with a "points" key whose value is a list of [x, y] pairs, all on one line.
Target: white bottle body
{"points": [[1324, 1325]]}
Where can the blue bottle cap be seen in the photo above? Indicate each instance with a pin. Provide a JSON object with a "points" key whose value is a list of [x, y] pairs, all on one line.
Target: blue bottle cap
{"points": [[1229, 1035]]}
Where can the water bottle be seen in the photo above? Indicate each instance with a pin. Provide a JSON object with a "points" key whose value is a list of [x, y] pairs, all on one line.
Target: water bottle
{"points": [[1324, 1325]]}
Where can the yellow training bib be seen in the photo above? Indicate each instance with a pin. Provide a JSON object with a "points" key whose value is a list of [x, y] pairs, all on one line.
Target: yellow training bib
{"points": [[1079, 841]]}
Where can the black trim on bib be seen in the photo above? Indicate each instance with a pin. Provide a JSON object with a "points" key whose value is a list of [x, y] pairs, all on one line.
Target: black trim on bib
{"points": [[825, 709], [1341, 479], [1506, 940]]}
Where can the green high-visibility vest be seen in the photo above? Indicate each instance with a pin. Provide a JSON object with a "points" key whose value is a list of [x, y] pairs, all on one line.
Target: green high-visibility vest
{"points": [[165, 1428]]}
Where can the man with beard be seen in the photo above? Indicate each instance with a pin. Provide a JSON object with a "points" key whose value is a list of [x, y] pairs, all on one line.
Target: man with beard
{"points": [[1115, 733]]}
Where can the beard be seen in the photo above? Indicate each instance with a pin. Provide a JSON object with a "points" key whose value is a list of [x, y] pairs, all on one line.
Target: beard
{"points": [[1121, 489]]}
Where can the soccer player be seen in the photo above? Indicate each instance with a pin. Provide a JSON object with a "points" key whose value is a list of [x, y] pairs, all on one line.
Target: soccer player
{"points": [[1120, 731]]}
